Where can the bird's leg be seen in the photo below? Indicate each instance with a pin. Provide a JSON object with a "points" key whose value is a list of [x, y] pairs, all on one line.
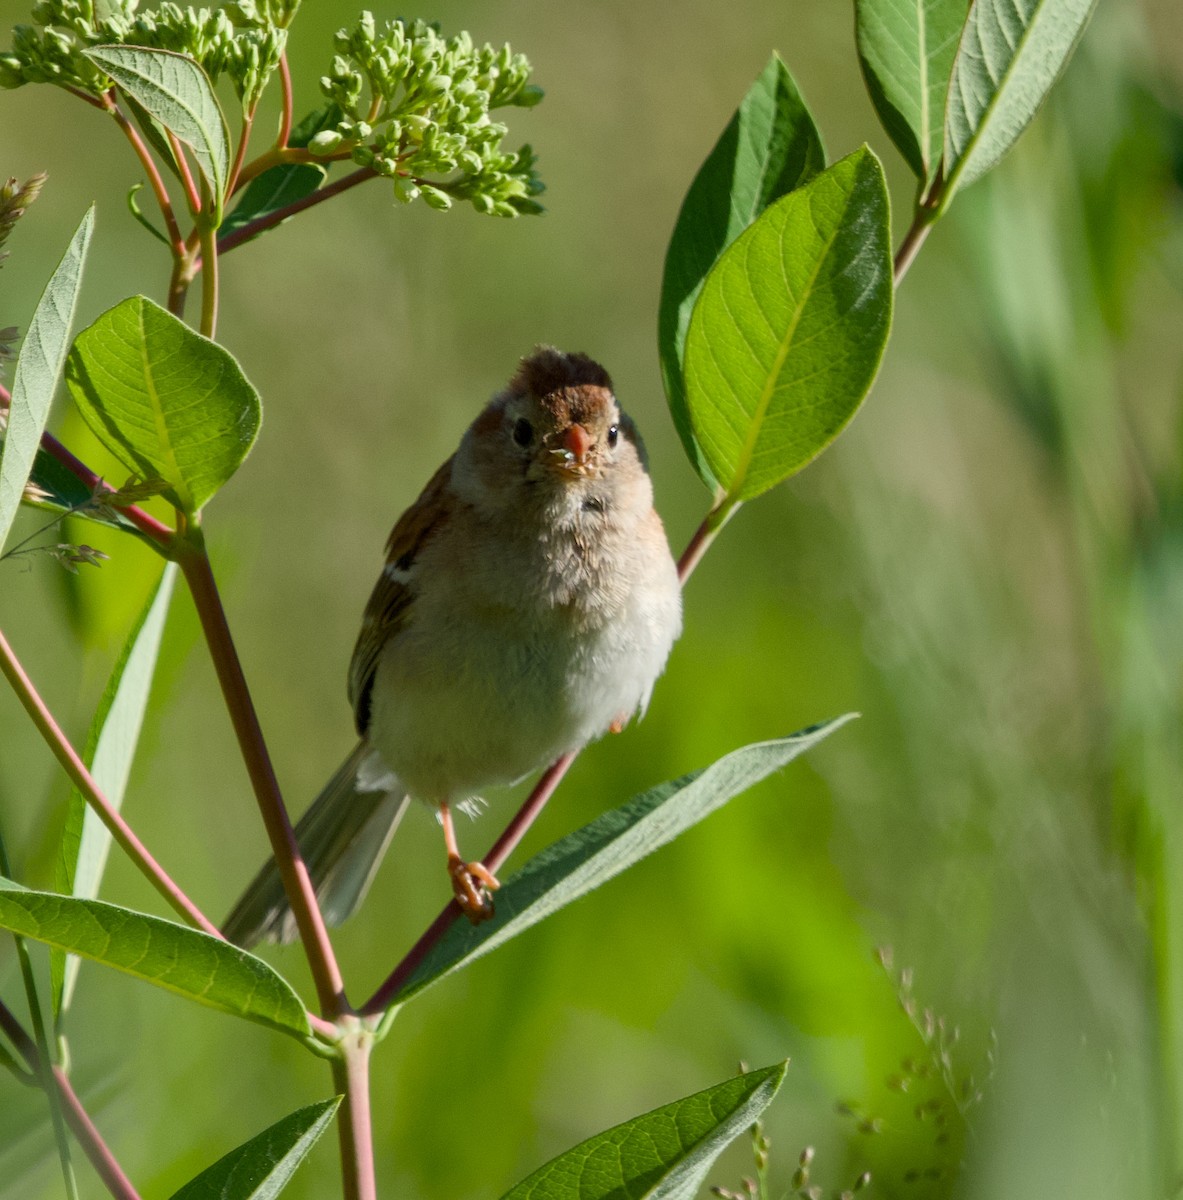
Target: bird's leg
{"points": [[471, 882]]}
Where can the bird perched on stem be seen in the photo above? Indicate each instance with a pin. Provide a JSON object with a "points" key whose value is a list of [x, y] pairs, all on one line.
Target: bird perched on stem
{"points": [[528, 603]]}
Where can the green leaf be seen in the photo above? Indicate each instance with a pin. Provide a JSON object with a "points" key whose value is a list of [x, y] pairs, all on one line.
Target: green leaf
{"points": [[167, 402], [174, 90], [273, 190], [38, 371], [613, 842], [906, 48], [787, 335], [55, 488], [182, 960], [260, 1169], [111, 746], [770, 147], [663, 1155], [1009, 57]]}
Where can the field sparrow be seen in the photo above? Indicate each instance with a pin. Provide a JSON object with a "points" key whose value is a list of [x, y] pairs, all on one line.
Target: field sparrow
{"points": [[528, 603]]}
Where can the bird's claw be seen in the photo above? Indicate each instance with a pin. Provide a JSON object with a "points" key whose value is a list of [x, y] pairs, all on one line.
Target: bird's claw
{"points": [[472, 885]]}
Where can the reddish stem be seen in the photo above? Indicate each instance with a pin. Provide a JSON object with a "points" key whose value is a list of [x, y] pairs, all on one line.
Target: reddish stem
{"points": [[82, 779], [154, 176], [240, 157], [351, 1077], [270, 220], [194, 562], [285, 114], [192, 195]]}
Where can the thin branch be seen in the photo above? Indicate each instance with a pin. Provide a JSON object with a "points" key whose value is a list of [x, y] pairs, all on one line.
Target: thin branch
{"points": [[83, 1127], [240, 157], [82, 779], [192, 195], [270, 220], [154, 177], [351, 1078], [209, 280], [721, 512], [285, 115], [911, 244], [194, 562]]}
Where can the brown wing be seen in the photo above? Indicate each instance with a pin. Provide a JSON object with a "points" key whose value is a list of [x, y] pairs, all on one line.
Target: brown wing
{"points": [[391, 598]]}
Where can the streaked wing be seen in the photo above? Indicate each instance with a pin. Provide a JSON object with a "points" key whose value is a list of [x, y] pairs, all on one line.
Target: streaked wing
{"points": [[390, 601]]}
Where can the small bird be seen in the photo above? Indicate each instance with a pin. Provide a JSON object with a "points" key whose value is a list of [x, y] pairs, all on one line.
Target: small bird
{"points": [[528, 604]]}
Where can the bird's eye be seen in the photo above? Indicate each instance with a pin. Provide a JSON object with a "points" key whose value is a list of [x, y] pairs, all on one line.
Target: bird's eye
{"points": [[523, 432], [613, 434]]}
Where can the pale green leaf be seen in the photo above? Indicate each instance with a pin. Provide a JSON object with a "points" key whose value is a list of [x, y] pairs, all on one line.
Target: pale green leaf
{"points": [[38, 370], [176, 92], [190, 963], [906, 48], [167, 402], [1010, 55], [769, 147], [613, 842], [261, 1168], [111, 747], [788, 333], [665, 1154]]}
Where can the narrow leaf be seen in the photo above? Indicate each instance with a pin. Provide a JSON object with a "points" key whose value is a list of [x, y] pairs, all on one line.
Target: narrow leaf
{"points": [[1009, 57], [769, 147], [38, 370], [787, 335], [260, 1169], [665, 1154], [613, 842], [182, 960], [906, 48], [111, 746], [167, 402], [174, 90]]}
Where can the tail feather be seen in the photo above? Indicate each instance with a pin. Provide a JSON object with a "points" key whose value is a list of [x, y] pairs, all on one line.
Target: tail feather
{"points": [[343, 837]]}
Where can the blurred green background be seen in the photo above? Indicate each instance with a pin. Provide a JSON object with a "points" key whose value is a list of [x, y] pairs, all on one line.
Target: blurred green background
{"points": [[988, 567]]}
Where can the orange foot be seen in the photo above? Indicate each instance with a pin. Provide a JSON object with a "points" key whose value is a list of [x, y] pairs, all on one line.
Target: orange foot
{"points": [[472, 884]]}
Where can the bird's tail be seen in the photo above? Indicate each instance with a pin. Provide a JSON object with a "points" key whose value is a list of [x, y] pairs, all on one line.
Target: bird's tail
{"points": [[342, 836]]}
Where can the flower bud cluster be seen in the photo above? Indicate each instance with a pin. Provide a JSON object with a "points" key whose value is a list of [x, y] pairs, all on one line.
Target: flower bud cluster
{"points": [[243, 42], [415, 107]]}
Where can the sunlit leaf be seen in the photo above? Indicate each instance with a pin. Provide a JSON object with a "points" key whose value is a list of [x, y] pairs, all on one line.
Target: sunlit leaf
{"points": [[769, 147], [261, 1168], [38, 370], [174, 90], [195, 965], [1009, 57], [906, 48], [111, 747], [788, 333], [166, 401], [613, 842], [664, 1155]]}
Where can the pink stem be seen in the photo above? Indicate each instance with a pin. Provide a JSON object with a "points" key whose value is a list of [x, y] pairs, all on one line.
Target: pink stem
{"points": [[351, 1077], [285, 117]]}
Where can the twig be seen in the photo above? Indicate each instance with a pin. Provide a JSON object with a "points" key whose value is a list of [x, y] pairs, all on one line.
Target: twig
{"points": [[285, 114], [154, 177], [83, 780], [194, 562], [351, 1077]]}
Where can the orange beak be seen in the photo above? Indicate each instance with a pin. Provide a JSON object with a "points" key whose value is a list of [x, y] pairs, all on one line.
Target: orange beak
{"points": [[577, 440]]}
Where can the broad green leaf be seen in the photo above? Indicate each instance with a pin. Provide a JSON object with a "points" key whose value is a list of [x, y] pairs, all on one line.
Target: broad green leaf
{"points": [[1009, 57], [260, 1169], [167, 402], [769, 147], [38, 371], [906, 48], [787, 335], [280, 186], [111, 746], [613, 842], [664, 1155], [174, 90], [271, 191], [182, 960]]}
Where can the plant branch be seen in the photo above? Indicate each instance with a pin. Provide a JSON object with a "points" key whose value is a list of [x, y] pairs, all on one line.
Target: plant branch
{"points": [[240, 156], [209, 279], [351, 1077], [154, 177], [82, 779], [194, 562], [721, 512], [83, 1128], [928, 210], [192, 195], [285, 114], [270, 220]]}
